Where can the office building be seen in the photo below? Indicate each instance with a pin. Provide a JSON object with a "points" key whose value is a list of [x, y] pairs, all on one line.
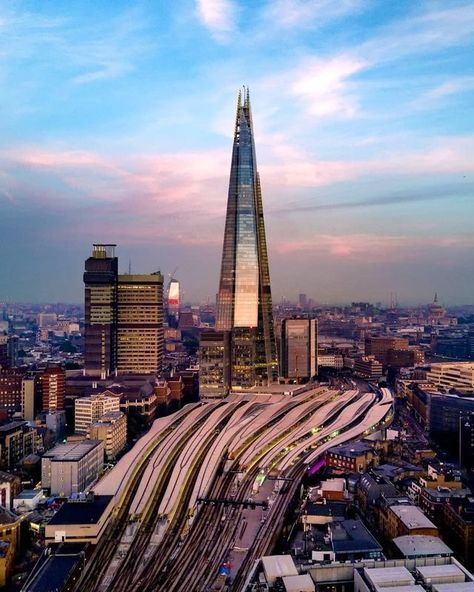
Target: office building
{"points": [[299, 349], [4, 351], [88, 410], [52, 387], [368, 367], [380, 347], [111, 429], [244, 303], [100, 297], [123, 317], [452, 375], [140, 324], [70, 468]]}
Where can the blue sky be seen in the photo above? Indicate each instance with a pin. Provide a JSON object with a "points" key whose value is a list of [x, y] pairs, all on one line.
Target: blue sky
{"points": [[116, 123]]}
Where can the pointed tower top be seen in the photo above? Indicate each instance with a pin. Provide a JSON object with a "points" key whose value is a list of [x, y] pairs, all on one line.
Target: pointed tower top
{"points": [[246, 97], [436, 298]]}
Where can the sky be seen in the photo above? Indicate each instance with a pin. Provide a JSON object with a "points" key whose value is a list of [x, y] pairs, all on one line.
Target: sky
{"points": [[116, 123]]}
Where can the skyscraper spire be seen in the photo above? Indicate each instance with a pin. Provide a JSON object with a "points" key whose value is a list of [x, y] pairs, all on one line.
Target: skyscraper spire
{"points": [[244, 305]]}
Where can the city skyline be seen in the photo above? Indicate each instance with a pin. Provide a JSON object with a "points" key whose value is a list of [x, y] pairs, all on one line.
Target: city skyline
{"points": [[116, 128]]}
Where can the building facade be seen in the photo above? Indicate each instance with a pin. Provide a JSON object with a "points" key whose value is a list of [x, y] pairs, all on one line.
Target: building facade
{"points": [[299, 349], [140, 324], [244, 302], [111, 429], [52, 386], [70, 468], [88, 410]]}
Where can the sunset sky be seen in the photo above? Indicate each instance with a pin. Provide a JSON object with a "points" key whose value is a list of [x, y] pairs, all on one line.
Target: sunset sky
{"points": [[116, 123]]}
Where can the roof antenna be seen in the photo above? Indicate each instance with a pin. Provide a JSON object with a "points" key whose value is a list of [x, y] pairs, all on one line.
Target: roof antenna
{"points": [[129, 267]]}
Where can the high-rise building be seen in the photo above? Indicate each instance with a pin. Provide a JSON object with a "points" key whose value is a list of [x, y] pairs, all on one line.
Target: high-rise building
{"points": [[123, 317], [299, 349], [244, 303], [52, 386], [140, 324], [101, 279], [173, 302], [466, 439]]}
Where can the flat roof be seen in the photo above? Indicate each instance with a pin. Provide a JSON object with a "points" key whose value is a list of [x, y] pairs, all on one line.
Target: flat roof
{"points": [[382, 577], [87, 512], [421, 545], [302, 583], [352, 535], [277, 566], [455, 587], [436, 571], [72, 450], [29, 494], [412, 516], [414, 588], [330, 508]]}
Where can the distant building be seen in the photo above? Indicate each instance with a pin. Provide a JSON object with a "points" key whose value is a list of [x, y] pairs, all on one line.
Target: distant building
{"points": [[331, 361], [88, 410], [368, 367], [111, 429], [52, 388], [11, 390], [381, 346], [299, 348], [70, 468], [47, 319], [173, 302], [17, 440], [10, 525], [405, 519]]}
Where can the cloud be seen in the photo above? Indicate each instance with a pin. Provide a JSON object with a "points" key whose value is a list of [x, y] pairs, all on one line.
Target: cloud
{"points": [[370, 248], [323, 85], [410, 196], [218, 16], [307, 13]]}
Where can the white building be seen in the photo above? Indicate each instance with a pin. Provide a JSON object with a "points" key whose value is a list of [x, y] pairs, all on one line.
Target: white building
{"points": [[72, 467], [111, 428], [88, 410], [448, 375]]}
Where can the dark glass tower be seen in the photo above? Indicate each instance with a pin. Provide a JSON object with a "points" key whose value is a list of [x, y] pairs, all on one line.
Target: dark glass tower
{"points": [[244, 302]]}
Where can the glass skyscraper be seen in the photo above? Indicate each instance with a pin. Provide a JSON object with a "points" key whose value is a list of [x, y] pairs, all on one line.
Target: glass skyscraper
{"points": [[244, 302]]}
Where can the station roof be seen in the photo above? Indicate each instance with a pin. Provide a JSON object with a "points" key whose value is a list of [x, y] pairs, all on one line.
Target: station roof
{"points": [[387, 577], [278, 566], [302, 583], [83, 512]]}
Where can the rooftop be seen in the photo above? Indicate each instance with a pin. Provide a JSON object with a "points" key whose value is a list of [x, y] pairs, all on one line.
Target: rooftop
{"points": [[83, 512], [352, 449], [352, 536], [72, 450], [420, 545], [412, 516]]}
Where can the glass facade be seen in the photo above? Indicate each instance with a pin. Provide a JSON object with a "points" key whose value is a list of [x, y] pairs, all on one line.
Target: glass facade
{"points": [[244, 304]]}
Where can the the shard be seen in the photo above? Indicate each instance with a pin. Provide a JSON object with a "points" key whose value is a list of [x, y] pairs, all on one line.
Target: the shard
{"points": [[244, 302]]}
